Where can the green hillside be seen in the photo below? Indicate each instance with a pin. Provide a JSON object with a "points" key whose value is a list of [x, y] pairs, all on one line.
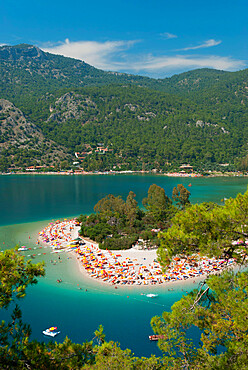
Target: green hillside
{"points": [[26, 69], [198, 117], [143, 128]]}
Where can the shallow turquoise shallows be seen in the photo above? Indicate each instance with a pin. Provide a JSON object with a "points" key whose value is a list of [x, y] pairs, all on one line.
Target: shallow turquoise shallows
{"points": [[78, 305]]}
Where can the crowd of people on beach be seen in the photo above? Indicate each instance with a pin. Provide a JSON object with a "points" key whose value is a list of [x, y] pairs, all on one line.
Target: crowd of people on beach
{"points": [[59, 234], [114, 268], [107, 266]]}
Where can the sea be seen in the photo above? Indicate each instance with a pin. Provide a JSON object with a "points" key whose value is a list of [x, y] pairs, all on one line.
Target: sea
{"points": [[78, 305]]}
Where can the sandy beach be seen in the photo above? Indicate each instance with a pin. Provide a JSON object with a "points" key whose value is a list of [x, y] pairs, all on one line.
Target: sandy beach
{"points": [[132, 267]]}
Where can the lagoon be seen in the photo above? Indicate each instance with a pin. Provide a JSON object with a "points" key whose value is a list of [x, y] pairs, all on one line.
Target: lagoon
{"points": [[28, 198], [30, 202]]}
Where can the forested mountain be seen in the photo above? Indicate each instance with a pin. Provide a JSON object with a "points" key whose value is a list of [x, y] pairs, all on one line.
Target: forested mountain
{"points": [[30, 67], [198, 117], [27, 69], [143, 129]]}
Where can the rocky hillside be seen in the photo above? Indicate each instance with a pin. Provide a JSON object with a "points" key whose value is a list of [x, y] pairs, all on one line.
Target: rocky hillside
{"points": [[22, 52], [72, 106], [14, 128], [21, 138]]}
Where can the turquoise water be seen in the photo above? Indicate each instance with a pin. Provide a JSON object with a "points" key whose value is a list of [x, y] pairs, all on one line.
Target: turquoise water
{"points": [[28, 203], [26, 198]]}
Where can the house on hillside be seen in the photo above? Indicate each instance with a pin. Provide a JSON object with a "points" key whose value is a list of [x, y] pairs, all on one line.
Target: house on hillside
{"points": [[186, 168]]}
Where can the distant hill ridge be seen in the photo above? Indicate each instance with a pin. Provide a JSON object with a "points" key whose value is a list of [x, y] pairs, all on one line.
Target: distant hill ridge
{"points": [[67, 72], [22, 52]]}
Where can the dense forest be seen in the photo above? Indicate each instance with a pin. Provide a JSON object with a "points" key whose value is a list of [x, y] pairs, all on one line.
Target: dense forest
{"points": [[198, 117], [119, 224]]}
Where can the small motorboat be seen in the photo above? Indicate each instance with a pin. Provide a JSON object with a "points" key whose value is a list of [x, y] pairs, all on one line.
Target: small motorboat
{"points": [[23, 248], [51, 332], [150, 295]]}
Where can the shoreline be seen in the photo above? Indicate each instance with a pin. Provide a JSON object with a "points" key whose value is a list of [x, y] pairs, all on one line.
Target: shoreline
{"points": [[168, 174], [127, 268], [170, 284]]}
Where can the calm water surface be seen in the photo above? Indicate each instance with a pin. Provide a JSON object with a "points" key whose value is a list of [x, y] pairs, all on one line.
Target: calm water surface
{"points": [[26, 198], [29, 202]]}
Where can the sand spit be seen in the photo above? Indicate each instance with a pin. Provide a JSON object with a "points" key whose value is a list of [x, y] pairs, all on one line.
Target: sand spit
{"points": [[126, 267]]}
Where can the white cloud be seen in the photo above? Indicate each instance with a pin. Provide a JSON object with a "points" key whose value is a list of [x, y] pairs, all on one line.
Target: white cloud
{"points": [[168, 35], [98, 54], [115, 56], [206, 44], [152, 63]]}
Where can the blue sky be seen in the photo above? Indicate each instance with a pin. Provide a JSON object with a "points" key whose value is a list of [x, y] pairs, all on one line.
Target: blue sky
{"points": [[154, 38]]}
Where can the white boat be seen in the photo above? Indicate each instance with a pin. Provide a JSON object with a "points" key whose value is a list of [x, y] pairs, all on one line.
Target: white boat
{"points": [[150, 295], [51, 332], [23, 248]]}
